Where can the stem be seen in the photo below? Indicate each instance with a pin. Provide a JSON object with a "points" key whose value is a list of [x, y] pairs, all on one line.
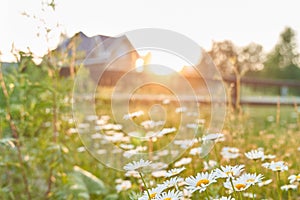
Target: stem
{"points": [[289, 195], [241, 196], [235, 194], [278, 185], [207, 195], [216, 152], [15, 134], [145, 185]]}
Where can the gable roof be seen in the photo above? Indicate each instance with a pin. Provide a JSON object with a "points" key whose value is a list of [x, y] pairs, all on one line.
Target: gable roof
{"points": [[91, 45]]}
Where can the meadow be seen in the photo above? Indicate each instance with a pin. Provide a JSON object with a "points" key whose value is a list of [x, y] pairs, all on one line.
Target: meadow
{"points": [[46, 154]]}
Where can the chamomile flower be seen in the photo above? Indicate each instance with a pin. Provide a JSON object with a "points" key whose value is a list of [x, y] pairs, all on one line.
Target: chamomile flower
{"points": [[216, 137], [294, 178], [200, 181], [153, 192], [175, 171], [173, 182], [229, 171], [123, 185], [279, 166], [159, 173], [239, 184], [183, 161], [230, 153], [266, 182], [254, 154], [252, 179], [288, 187], [170, 195], [137, 165], [225, 198]]}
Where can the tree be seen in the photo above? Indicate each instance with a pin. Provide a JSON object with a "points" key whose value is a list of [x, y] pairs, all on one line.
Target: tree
{"points": [[236, 61], [283, 58]]}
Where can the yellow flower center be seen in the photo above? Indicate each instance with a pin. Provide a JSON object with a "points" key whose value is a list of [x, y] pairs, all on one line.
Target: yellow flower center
{"points": [[278, 168], [250, 180], [168, 198], [202, 181], [298, 177], [153, 195], [240, 186]]}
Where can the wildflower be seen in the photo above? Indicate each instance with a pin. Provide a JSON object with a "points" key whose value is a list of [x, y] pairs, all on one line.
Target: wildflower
{"points": [[268, 157], [133, 115], [239, 184], [249, 195], [216, 137], [196, 151], [137, 165], [210, 164], [153, 192], [229, 171], [200, 182], [181, 109], [252, 179], [175, 171], [225, 198], [170, 195], [279, 166], [288, 187], [123, 185], [166, 131], [266, 182], [158, 174], [254, 154], [134, 174], [230, 153], [183, 161], [294, 178], [173, 182]]}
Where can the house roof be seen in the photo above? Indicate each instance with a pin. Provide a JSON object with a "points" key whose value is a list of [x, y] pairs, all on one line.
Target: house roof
{"points": [[90, 45]]}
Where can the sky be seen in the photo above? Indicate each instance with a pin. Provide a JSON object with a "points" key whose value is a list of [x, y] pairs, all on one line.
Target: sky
{"points": [[242, 21]]}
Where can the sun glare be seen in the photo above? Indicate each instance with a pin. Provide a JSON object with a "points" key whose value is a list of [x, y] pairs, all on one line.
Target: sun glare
{"points": [[160, 62]]}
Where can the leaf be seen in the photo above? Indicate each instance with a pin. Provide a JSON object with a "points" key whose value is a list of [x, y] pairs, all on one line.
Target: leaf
{"points": [[85, 183]]}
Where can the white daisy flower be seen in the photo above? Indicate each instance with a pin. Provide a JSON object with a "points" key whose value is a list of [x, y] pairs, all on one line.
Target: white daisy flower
{"points": [[279, 166], [229, 171], [210, 164], [288, 187], [180, 109], [268, 157], [225, 198], [294, 178], [124, 185], [200, 182], [175, 171], [137, 165], [183, 161], [196, 151], [249, 195], [239, 184], [153, 192], [173, 182], [216, 137], [254, 154], [134, 174], [133, 115], [230, 153], [266, 182], [170, 195], [252, 179], [159, 174]]}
